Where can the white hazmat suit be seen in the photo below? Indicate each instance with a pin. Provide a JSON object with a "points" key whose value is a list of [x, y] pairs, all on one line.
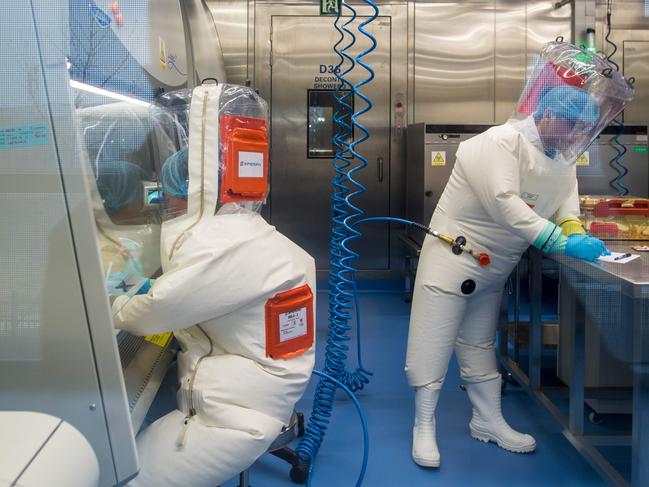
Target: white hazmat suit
{"points": [[508, 189], [220, 272]]}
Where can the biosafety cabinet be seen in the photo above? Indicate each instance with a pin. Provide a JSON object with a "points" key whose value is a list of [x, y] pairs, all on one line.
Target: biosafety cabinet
{"points": [[78, 192]]}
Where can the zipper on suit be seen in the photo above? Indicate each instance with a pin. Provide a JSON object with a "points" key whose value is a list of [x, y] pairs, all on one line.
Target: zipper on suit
{"points": [[182, 438]]}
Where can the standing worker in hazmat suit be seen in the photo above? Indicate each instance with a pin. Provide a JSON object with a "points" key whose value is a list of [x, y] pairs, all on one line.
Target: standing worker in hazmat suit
{"points": [[512, 186], [238, 295]]}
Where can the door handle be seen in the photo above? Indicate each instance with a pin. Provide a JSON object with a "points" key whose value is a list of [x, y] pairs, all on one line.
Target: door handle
{"points": [[379, 161]]}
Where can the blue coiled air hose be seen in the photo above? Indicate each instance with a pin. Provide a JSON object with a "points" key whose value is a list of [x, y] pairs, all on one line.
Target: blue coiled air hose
{"points": [[366, 442], [616, 163], [342, 291], [345, 274], [343, 295]]}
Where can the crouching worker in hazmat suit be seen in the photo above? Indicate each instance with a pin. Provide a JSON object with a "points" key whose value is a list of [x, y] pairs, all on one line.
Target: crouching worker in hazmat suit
{"points": [[238, 295], [512, 186]]}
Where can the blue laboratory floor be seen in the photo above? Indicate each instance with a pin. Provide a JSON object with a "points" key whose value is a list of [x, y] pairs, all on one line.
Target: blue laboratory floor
{"points": [[388, 403]]}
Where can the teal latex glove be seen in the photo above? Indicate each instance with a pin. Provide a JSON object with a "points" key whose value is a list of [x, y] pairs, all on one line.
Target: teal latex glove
{"points": [[585, 248], [551, 240]]}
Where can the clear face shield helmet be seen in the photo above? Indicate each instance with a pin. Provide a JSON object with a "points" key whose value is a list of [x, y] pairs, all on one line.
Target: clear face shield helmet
{"points": [[243, 161], [117, 139], [572, 95]]}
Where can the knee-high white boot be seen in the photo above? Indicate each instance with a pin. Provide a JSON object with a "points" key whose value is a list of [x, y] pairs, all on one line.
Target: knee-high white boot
{"points": [[424, 442], [488, 424]]}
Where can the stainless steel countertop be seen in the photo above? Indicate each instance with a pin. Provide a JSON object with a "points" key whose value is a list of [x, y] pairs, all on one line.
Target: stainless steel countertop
{"points": [[633, 277]]}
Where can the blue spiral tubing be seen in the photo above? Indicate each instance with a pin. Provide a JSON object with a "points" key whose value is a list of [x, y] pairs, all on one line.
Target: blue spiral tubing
{"points": [[609, 4], [342, 283], [366, 442], [616, 162]]}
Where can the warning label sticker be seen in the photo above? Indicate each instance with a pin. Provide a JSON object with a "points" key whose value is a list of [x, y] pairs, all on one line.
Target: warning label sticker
{"points": [[439, 158], [292, 324], [160, 339], [24, 136], [251, 164], [584, 159]]}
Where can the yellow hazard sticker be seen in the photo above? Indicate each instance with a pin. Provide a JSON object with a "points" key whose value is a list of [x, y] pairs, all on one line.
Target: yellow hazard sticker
{"points": [[584, 159], [159, 339], [163, 52], [439, 158]]}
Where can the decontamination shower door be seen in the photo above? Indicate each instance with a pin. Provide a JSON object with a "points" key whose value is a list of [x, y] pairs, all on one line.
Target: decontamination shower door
{"points": [[302, 86]]}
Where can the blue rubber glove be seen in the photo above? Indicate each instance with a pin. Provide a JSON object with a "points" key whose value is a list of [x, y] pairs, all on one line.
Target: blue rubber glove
{"points": [[145, 287], [585, 248]]}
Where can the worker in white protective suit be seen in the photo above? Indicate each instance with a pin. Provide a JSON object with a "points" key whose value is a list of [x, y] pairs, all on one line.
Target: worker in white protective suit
{"points": [[512, 186], [118, 141], [129, 239], [238, 295]]}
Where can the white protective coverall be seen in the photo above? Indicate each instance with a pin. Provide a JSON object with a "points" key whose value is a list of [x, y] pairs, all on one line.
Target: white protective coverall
{"points": [[500, 194], [506, 185], [219, 272]]}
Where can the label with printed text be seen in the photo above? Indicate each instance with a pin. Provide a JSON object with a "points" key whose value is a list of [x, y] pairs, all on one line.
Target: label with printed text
{"points": [[292, 324]]}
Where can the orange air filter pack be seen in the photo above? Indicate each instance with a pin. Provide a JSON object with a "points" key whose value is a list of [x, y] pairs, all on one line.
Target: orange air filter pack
{"points": [[289, 323], [244, 153]]}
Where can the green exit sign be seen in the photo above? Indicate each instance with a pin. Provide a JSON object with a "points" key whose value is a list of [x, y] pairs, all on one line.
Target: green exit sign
{"points": [[329, 7]]}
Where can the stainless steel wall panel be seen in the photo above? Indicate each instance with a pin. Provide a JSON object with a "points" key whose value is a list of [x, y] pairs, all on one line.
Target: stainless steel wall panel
{"points": [[400, 75], [544, 24], [231, 20], [595, 177], [635, 62], [510, 56], [630, 32], [203, 39], [626, 15], [454, 62], [411, 62]]}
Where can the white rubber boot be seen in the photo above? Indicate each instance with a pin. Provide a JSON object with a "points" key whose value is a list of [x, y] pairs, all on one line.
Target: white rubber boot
{"points": [[488, 424], [424, 442]]}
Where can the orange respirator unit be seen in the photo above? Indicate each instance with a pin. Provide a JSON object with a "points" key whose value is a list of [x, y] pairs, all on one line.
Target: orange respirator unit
{"points": [[289, 323], [244, 156]]}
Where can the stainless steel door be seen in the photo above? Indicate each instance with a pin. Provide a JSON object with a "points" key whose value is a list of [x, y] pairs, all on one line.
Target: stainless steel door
{"points": [[302, 62]]}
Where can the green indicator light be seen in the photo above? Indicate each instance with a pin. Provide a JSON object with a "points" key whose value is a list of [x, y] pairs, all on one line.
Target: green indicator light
{"points": [[640, 150], [584, 57]]}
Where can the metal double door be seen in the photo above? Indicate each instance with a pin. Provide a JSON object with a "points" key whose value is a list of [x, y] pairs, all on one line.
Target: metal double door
{"points": [[302, 86]]}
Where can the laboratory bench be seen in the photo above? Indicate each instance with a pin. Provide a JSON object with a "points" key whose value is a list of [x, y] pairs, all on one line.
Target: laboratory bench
{"points": [[610, 301]]}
